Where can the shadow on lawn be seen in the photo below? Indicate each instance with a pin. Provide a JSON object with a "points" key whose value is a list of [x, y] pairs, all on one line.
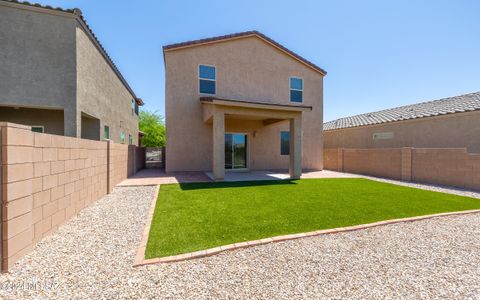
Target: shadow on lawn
{"points": [[234, 184]]}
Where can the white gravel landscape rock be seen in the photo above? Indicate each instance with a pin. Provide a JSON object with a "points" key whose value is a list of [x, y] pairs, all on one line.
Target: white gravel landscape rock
{"points": [[429, 187], [91, 257]]}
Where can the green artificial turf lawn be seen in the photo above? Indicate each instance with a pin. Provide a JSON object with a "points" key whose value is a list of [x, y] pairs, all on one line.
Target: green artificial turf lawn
{"points": [[198, 216]]}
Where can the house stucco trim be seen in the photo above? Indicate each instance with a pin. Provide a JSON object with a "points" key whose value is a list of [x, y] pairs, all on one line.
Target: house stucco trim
{"points": [[254, 104]]}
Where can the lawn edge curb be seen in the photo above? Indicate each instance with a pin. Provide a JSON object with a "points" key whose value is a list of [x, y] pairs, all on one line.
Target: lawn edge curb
{"points": [[141, 261], [140, 256]]}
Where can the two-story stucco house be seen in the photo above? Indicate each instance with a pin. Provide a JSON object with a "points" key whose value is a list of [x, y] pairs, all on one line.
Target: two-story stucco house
{"points": [[56, 77], [242, 102]]}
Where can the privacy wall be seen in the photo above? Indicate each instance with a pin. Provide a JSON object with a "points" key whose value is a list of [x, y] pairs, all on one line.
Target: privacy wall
{"points": [[47, 179], [443, 166]]}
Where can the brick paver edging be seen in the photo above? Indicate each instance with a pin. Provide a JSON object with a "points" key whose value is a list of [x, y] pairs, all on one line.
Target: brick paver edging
{"points": [[140, 258]]}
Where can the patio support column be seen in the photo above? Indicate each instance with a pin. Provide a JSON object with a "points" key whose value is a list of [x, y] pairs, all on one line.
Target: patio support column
{"points": [[218, 168], [296, 147]]}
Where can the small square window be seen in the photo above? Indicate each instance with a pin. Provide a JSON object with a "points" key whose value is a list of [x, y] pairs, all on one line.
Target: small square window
{"points": [[207, 79], [284, 143], [106, 132], [296, 89]]}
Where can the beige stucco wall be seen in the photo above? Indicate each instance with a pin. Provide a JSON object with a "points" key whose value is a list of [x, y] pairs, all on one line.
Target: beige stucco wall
{"points": [[90, 128], [101, 94], [52, 120], [47, 179], [460, 130], [37, 61], [49, 61], [247, 69]]}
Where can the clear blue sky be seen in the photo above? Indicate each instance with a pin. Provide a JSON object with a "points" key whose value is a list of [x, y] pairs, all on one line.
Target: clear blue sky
{"points": [[378, 54]]}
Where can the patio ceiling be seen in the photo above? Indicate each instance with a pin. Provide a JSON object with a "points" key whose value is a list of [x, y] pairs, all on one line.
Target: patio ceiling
{"points": [[250, 110]]}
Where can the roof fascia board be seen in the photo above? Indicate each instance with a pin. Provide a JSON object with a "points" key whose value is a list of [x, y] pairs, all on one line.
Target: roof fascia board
{"points": [[267, 106], [290, 55], [105, 56], [50, 11], [242, 37]]}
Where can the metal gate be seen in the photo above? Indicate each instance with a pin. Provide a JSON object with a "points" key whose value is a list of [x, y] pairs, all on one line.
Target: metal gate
{"points": [[154, 157]]}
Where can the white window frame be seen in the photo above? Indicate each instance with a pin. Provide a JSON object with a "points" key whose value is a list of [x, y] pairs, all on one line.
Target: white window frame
{"points": [[38, 126], [214, 80], [291, 89]]}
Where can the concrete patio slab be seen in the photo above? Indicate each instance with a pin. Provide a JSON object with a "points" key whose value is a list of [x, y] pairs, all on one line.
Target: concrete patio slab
{"points": [[279, 175], [253, 175], [158, 176]]}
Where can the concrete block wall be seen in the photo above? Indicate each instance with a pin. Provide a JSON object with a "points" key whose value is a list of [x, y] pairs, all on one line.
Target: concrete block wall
{"points": [[444, 166], [331, 159], [455, 167], [136, 159], [406, 162], [47, 179], [376, 162], [118, 164]]}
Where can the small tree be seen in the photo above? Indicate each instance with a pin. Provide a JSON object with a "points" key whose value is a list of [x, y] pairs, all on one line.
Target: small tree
{"points": [[151, 123]]}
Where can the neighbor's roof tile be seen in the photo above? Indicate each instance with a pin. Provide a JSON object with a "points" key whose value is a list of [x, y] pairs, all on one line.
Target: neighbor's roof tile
{"points": [[462, 103]]}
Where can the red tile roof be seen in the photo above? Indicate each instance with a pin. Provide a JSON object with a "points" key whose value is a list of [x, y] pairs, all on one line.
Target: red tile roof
{"points": [[450, 105]]}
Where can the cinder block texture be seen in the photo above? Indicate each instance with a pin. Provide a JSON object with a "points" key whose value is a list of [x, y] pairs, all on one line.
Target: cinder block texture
{"points": [[444, 166], [47, 179]]}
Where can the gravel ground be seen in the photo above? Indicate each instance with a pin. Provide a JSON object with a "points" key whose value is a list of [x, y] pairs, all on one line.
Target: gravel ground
{"points": [[430, 187], [90, 257]]}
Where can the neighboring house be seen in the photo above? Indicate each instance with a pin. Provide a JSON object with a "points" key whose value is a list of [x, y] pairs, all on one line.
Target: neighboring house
{"points": [[242, 102], [56, 77], [452, 122]]}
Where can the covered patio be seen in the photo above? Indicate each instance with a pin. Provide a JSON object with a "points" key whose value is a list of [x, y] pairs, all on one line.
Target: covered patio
{"points": [[158, 176], [217, 110]]}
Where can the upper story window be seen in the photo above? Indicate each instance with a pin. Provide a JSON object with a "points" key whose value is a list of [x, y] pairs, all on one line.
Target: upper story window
{"points": [[130, 139], [207, 79], [134, 107], [296, 89], [122, 137]]}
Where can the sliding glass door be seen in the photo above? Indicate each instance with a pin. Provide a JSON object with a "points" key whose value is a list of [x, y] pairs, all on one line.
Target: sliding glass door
{"points": [[235, 151]]}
